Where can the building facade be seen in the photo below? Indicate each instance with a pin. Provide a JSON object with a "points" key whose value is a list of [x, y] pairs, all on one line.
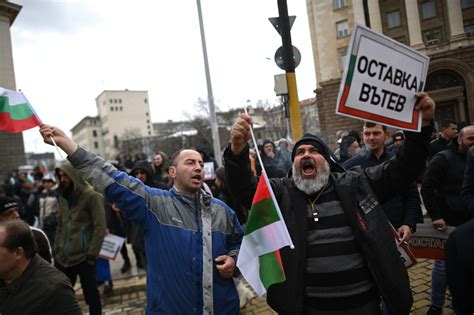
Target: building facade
{"points": [[123, 115], [441, 29], [13, 151], [88, 134]]}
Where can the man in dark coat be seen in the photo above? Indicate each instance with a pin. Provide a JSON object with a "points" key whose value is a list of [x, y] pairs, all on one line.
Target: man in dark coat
{"points": [[28, 284], [345, 256], [441, 192]]}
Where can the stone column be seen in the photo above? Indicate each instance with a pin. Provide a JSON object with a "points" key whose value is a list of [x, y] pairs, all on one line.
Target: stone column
{"points": [[12, 153], [455, 18], [358, 9], [374, 15], [413, 20]]}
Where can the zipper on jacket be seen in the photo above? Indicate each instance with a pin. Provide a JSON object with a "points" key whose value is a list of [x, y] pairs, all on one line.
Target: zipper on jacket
{"points": [[68, 229]]}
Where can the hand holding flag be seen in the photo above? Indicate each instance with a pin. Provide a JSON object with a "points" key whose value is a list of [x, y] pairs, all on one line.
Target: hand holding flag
{"points": [[259, 259]]}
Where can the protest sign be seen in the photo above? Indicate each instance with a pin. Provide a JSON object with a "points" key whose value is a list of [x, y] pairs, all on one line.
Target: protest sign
{"points": [[406, 254], [380, 80], [111, 246], [209, 171], [429, 243]]}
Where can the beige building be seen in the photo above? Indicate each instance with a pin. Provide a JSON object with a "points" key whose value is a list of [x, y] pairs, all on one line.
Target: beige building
{"points": [[123, 115], [441, 29], [88, 134], [12, 153]]}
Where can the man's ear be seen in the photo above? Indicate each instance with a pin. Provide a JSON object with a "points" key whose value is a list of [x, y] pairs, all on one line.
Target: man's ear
{"points": [[172, 172]]}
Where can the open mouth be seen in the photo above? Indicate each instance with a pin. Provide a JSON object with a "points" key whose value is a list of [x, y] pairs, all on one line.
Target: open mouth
{"points": [[308, 167], [197, 177]]}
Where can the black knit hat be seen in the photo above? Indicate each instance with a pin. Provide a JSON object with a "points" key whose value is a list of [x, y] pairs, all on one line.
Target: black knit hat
{"points": [[316, 142], [7, 203]]}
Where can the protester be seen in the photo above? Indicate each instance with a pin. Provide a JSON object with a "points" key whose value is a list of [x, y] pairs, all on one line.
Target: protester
{"points": [[48, 208], [80, 232], [191, 239], [441, 192], [9, 211], [345, 255], [460, 249], [449, 129], [402, 210], [28, 284], [160, 168], [285, 154], [271, 160], [348, 148]]}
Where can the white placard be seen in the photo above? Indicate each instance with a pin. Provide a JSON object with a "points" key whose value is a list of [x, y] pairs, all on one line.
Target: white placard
{"points": [[380, 80], [209, 171], [111, 246]]}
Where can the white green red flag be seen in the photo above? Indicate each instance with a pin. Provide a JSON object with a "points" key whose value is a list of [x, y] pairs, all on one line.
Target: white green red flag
{"points": [[259, 259], [16, 113]]}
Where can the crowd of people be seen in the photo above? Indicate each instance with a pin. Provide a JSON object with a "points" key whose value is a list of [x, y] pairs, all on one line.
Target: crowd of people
{"points": [[186, 227]]}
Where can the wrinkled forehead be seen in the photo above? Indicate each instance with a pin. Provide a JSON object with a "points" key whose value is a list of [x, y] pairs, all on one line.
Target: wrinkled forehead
{"points": [[305, 147], [189, 155]]}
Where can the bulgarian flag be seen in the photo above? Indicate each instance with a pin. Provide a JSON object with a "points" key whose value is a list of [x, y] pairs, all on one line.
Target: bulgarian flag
{"points": [[16, 113], [259, 259]]}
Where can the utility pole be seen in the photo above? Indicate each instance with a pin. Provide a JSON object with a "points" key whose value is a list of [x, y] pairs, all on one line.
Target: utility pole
{"points": [[289, 65], [216, 143]]}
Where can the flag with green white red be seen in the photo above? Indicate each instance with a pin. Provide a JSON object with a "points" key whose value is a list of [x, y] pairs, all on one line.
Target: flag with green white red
{"points": [[16, 113], [259, 259]]}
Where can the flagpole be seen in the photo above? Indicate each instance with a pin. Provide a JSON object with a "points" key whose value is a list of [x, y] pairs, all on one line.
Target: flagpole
{"points": [[267, 181]]}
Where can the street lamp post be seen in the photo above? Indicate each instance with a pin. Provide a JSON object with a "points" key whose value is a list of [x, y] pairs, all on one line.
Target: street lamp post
{"points": [[212, 112]]}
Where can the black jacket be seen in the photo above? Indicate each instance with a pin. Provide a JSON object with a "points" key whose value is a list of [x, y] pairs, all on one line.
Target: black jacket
{"points": [[441, 188], [40, 289], [360, 193], [468, 183], [403, 208], [460, 268]]}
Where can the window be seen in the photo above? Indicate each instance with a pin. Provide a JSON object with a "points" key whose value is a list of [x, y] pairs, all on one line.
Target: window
{"points": [[339, 4], [393, 19], [432, 37], [148, 121], [149, 133], [428, 10], [147, 113], [120, 101], [115, 101], [342, 58], [342, 29], [146, 101], [112, 108], [111, 101], [94, 133], [96, 144], [469, 27], [121, 108], [465, 4]]}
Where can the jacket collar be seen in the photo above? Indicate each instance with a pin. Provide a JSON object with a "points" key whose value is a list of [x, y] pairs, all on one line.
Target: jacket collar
{"points": [[14, 287]]}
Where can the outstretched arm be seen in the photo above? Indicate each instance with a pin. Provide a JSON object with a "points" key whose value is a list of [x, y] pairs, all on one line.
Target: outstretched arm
{"points": [[62, 140]]}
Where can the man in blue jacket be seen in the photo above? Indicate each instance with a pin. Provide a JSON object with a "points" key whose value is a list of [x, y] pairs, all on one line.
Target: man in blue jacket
{"points": [[191, 239]]}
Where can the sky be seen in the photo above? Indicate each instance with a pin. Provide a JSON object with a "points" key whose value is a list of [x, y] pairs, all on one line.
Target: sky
{"points": [[66, 52]]}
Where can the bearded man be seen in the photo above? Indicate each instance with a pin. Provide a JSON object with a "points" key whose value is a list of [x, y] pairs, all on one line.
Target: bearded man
{"points": [[345, 258]]}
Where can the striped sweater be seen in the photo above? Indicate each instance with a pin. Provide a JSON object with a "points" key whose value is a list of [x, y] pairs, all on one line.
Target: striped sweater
{"points": [[336, 275]]}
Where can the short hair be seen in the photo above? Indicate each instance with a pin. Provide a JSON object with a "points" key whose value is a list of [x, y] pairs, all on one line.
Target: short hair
{"points": [[174, 157], [19, 234], [445, 123], [369, 124]]}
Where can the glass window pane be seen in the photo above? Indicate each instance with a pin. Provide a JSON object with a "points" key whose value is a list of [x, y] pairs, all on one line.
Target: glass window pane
{"points": [[342, 29], [467, 4], [393, 19], [338, 4], [428, 9]]}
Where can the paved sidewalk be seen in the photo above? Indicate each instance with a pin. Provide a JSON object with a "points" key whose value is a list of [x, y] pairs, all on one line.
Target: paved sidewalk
{"points": [[128, 296]]}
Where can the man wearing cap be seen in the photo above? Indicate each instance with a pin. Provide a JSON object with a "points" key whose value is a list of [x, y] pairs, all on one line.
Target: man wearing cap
{"points": [[345, 256], [9, 211]]}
